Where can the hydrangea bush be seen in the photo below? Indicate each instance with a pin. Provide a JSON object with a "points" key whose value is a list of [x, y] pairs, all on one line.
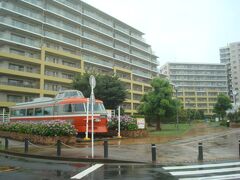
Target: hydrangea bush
{"points": [[126, 123], [43, 128]]}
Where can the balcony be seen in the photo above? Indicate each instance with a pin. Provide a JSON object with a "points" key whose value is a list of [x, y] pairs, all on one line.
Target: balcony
{"points": [[15, 39], [20, 84], [21, 10], [21, 25]]}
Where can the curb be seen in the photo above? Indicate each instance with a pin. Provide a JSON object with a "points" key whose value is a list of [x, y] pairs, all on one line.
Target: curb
{"points": [[95, 160], [98, 140]]}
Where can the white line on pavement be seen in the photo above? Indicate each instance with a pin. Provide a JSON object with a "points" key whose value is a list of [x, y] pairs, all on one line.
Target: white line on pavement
{"points": [[223, 177], [201, 166], [87, 171], [181, 173]]}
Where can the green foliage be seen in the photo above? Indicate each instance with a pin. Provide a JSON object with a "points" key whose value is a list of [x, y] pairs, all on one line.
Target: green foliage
{"points": [[171, 130], [159, 103], [223, 123], [234, 116], [55, 128], [126, 123], [109, 89], [223, 104]]}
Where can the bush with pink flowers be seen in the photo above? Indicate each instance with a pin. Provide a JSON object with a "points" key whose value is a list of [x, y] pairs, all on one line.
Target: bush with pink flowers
{"points": [[126, 123], [43, 128]]}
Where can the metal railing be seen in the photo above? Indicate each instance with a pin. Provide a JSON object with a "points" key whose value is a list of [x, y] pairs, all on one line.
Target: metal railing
{"points": [[4, 116]]}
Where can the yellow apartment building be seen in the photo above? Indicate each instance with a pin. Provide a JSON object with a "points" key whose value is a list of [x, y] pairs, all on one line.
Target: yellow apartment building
{"points": [[44, 44]]}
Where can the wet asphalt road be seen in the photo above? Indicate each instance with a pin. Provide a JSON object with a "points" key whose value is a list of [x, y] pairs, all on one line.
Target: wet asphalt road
{"points": [[29, 169], [12, 168]]}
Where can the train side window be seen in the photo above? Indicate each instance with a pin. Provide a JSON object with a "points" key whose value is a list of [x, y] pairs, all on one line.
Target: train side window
{"points": [[13, 112], [30, 112], [38, 111], [56, 110], [79, 107], [22, 112], [48, 110], [67, 108]]}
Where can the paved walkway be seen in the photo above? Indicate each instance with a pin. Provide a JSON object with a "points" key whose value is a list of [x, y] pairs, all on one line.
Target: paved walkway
{"points": [[217, 145]]}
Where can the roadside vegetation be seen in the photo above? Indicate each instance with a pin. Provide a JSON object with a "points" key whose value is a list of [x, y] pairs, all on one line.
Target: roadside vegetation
{"points": [[43, 128], [171, 130]]}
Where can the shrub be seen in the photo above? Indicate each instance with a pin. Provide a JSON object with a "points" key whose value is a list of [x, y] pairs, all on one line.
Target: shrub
{"points": [[43, 128], [126, 123]]}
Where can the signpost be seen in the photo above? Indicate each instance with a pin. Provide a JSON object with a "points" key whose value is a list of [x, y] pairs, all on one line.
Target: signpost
{"points": [[86, 135], [92, 82], [119, 127]]}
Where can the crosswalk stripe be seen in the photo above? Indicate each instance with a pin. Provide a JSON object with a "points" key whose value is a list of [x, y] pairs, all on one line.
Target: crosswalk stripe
{"points": [[87, 171], [223, 177], [196, 172], [201, 166]]}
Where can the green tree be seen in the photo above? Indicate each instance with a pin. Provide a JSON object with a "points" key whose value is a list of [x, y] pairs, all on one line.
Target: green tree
{"points": [[158, 104], [223, 104], [109, 89]]}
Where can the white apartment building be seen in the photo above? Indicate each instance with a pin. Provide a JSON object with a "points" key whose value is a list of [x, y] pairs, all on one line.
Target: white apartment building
{"points": [[230, 55], [198, 84]]}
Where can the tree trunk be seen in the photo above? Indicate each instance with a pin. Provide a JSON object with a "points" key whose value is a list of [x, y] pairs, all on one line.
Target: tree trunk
{"points": [[158, 127]]}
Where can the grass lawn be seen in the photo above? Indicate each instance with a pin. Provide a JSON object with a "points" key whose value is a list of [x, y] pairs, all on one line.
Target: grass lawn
{"points": [[171, 130]]}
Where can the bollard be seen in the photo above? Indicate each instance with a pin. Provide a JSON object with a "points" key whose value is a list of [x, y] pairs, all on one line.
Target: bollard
{"points": [[239, 148], [6, 143], [200, 152], [105, 146], [154, 157], [25, 145], [58, 147]]}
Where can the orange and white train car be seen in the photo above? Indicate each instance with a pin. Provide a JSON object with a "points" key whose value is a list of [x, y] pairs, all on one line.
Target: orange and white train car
{"points": [[69, 105]]}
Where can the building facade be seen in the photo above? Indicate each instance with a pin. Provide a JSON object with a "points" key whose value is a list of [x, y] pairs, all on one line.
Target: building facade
{"points": [[230, 55], [198, 85], [44, 44]]}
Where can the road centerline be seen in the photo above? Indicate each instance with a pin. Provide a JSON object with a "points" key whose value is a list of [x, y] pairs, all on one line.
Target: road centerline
{"points": [[87, 171]]}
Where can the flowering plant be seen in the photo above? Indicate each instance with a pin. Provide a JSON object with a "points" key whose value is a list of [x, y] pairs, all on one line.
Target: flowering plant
{"points": [[42, 128], [126, 123]]}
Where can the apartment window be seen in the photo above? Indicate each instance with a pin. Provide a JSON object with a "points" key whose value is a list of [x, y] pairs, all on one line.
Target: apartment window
{"points": [[14, 98], [67, 76], [18, 38], [29, 69], [19, 23], [71, 64], [29, 98], [16, 51], [14, 82], [16, 67]]}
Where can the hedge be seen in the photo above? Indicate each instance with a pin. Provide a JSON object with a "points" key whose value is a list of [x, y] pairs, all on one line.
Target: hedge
{"points": [[43, 128]]}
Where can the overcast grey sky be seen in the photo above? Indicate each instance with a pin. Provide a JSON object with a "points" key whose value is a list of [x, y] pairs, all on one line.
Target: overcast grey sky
{"points": [[180, 30]]}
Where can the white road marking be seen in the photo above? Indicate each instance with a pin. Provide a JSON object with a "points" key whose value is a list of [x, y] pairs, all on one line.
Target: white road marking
{"points": [[201, 166], [223, 177], [201, 172], [87, 171]]}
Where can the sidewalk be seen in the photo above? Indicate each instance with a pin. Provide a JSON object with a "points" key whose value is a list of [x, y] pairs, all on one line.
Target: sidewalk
{"points": [[216, 146]]}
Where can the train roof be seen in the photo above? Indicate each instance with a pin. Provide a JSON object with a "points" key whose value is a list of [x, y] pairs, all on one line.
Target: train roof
{"points": [[75, 100]]}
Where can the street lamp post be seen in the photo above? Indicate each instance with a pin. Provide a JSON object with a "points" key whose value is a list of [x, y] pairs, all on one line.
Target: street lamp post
{"points": [[235, 93], [176, 89], [189, 112]]}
